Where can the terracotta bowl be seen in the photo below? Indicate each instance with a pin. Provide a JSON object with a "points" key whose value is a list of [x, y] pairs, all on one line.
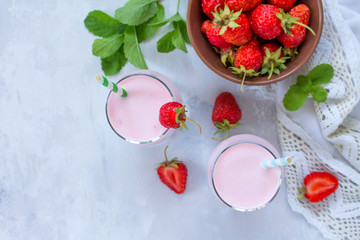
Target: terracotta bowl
{"points": [[195, 17]]}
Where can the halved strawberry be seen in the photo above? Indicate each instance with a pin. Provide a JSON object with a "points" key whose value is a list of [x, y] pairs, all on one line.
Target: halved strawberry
{"points": [[173, 174], [318, 185]]}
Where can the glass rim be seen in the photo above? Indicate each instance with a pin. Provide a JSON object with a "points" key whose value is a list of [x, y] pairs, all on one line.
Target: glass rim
{"points": [[239, 208], [107, 115]]}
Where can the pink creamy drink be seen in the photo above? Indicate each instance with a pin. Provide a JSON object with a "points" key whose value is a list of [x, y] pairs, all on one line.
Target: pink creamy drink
{"points": [[236, 175], [135, 118]]}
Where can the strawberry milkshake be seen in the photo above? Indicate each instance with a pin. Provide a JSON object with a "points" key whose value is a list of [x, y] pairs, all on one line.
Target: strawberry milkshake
{"points": [[135, 118], [236, 175]]}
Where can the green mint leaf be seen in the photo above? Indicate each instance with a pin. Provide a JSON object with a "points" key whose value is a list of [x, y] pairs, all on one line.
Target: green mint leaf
{"points": [[294, 98], [183, 30], [106, 47], [113, 64], [136, 12], [165, 44], [101, 24], [321, 74], [132, 49], [145, 31], [304, 83], [177, 38], [318, 93], [174, 18]]}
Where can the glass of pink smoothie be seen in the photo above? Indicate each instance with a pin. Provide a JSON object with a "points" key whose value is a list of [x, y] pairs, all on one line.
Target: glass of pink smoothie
{"points": [[236, 176], [135, 118]]}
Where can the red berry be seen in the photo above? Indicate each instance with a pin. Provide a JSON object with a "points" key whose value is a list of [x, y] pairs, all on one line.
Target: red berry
{"points": [[264, 22], [238, 35], [208, 6], [172, 115], [318, 185], [298, 32], [249, 56], [273, 58], [226, 113], [215, 39], [173, 174], [244, 5], [205, 25], [284, 4]]}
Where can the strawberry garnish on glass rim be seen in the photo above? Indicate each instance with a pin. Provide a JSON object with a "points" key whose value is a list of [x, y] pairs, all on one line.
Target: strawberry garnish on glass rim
{"points": [[173, 115]]}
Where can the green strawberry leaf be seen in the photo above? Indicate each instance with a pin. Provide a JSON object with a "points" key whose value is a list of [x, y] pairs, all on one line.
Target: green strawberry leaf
{"points": [[177, 38], [102, 25], [294, 98], [113, 64], [106, 47], [145, 31], [165, 44], [321, 74], [318, 93], [132, 49], [136, 12], [304, 83]]}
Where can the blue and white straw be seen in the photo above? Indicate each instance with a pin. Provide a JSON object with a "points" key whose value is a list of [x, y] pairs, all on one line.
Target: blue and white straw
{"points": [[277, 162], [110, 85]]}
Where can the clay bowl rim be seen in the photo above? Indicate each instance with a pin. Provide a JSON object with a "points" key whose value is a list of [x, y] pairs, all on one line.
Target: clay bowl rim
{"points": [[260, 80]]}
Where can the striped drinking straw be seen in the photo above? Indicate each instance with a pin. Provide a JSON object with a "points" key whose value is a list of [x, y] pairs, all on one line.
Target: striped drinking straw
{"points": [[110, 85], [277, 162]]}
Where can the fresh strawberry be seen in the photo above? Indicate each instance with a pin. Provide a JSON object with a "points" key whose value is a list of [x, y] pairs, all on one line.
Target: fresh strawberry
{"points": [[264, 22], [214, 38], [318, 185], [273, 59], [172, 115], [208, 6], [234, 27], [244, 5], [226, 114], [297, 32], [269, 21], [284, 4], [248, 60], [205, 25], [173, 174]]}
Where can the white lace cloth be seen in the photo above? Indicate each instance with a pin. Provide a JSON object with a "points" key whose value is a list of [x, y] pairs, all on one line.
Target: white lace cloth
{"points": [[338, 216]]}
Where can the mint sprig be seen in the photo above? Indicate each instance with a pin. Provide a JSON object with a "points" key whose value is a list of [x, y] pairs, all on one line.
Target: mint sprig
{"points": [[310, 84], [134, 23], [175, 38]]}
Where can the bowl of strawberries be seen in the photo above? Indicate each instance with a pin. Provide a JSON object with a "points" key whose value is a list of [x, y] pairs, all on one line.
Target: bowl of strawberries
{"points": [[254, 42]]}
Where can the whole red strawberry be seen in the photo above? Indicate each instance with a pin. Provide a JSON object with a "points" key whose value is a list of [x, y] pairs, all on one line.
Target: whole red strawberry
{"points": [[264, 22], [273, 58], [173, 174], [318, 185], [297, 32], [244, 5], [234, 26], [248, 60], [208, 6], [226, 114], [172, 115], [284, 4], [214, 38], [205, 25]]}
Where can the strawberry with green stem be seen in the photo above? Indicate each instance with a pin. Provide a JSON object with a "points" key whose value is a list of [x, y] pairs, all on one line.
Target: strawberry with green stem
{"points": [[273, 59], [226, 114], [173, 174], [248, 60], [173, 115], [269, 22], [234, 26]]}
